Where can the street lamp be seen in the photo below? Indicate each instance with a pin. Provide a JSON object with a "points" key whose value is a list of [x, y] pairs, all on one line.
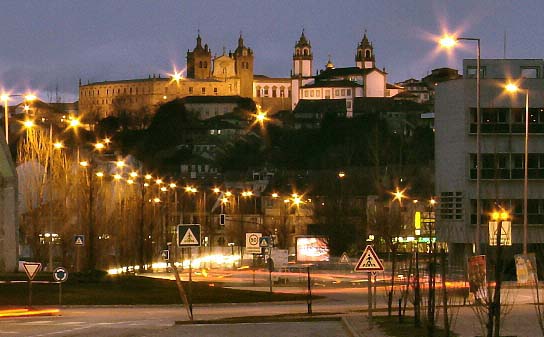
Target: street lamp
{"points": [[5, 98], [513, 88], [449, 42]]}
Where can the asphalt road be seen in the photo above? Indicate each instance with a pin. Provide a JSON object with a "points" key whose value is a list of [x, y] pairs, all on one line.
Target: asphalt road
{"points": [[121, 321]]}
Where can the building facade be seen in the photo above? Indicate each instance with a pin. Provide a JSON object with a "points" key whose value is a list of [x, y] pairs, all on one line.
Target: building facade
{"points": [[502, 137], [345, 84], [232, 73]]}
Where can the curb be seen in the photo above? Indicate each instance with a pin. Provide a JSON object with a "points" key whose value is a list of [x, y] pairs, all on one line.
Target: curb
{"points": [[349, 327], [261, 319]]}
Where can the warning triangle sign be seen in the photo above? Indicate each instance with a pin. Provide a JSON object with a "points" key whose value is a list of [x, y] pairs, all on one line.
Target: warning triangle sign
{"points": [[32, 269], [79, 241], [344, 258], [369, 261], [188, 239]]}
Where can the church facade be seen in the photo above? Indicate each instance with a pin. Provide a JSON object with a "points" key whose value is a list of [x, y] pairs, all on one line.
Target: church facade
{"points": [[232, 74]]}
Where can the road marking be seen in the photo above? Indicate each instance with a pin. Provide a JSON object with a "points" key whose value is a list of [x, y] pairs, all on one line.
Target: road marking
{"points": [[71, 323], [36, 322]]}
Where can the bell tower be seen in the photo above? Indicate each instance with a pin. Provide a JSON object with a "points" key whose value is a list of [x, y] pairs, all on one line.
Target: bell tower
{"points": [[244, 67], [302, 58], [199, 61], [364, 58]]}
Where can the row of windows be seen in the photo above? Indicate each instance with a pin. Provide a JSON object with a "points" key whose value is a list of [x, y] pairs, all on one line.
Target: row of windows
{"points": [[508, 166], [535, 210], [317, 93], [525, 72], [203, 64], [266, 92], [507, 120], [118, 91]]}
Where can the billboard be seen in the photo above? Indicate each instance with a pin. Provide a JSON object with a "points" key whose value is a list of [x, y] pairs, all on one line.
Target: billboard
{"points": [[312, 249], [526, 268]]}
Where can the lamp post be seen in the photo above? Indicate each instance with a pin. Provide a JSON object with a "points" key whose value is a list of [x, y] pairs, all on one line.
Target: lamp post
{"points": [[513, 88], [449, 42], [5, 98]]}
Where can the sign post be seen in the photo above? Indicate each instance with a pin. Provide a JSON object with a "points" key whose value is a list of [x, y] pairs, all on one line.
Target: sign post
{"points": [[252, 242], [189, 236], [31, 270], [369, 262], [60, 275]]}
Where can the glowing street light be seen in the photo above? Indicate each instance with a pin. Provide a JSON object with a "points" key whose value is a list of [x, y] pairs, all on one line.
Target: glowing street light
{"points": [[29, 124], [5, 98], [58, 145]]}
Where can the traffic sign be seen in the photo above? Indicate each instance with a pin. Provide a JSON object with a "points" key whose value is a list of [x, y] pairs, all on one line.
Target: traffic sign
{"points": [[264, 242], [252, 242], [344, 258], [32, 269], [369, 261], [60, 274], [79, 240], [188, 235], [165, 255]]}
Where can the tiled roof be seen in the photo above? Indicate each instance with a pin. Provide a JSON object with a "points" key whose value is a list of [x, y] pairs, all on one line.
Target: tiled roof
{"points": [[334, 84], [342, 72]]}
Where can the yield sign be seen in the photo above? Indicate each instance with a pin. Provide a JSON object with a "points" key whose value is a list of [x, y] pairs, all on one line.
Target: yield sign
{"points": [[369, 261], [31, 269]]}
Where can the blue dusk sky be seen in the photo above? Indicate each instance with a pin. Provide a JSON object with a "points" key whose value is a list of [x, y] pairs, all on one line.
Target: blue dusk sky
{"points": [[49, 44]]}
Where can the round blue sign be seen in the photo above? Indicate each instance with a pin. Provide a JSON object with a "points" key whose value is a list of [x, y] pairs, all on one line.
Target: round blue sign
{"points": [[60, 274]]}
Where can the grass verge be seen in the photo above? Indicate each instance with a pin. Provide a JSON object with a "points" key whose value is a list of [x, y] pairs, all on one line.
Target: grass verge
{"points": [[125, 290], [392, 327]]}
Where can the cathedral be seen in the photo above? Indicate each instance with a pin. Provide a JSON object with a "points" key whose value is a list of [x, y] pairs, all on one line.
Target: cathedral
{"points": [[231, 74]]}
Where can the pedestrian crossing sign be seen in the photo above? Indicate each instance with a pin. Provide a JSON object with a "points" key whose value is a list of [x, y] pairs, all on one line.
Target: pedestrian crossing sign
{"points": [[344, 258], [369, 261], [188, 235], [79, 240]]}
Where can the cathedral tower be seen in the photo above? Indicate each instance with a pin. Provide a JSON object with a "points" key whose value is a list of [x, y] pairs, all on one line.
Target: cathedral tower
{"points": [[364, 58], [244, 68], [199, 61], [302, 58]]}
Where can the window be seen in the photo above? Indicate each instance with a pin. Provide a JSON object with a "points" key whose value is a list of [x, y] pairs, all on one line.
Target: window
{"points": [[258, 89], [471, 72], [203, 91], [343, 92], [200, 64], [348, 92], [336, 92], [215, 91], [265, 92], [311, 93], [530, 72], [348, 104], [306, 93], [190, 90], [451, 205], [327, 94], [317, 93]]}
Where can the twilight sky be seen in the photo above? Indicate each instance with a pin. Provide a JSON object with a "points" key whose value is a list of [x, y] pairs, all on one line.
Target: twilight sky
{"points": [[44, 44]]}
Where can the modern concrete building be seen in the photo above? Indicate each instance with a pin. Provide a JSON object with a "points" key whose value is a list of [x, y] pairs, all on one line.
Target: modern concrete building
{"points": [[501, 147], [8, 210]]}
